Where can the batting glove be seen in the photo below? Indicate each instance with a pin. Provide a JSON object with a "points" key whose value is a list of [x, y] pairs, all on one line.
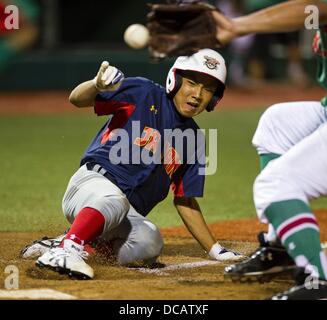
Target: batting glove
{"points": [[217, 252], [108, 78]]}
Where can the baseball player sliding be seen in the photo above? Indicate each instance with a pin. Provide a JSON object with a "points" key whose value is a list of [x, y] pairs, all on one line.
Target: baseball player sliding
{"points": [[110, 195], [291, 140]]}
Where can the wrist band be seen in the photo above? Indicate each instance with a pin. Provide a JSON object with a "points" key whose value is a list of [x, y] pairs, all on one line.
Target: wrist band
{"points": [[215, 250]]}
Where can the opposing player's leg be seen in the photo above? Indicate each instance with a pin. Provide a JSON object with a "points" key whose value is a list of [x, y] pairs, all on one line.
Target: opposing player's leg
{"points": [[94, 206], [280, 128], [282, 193], [136, 241]]}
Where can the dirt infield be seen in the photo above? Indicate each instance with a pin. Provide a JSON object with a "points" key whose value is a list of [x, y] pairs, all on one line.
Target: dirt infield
{"points": [[188, 274]]}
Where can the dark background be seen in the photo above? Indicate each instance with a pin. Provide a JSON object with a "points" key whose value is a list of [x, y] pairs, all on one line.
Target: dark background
{"points": [[76, 36]]}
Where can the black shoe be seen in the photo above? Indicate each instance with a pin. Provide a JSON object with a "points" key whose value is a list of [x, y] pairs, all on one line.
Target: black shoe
{"points": [[306, 288], [264, 264], [265, 243], [314, 290]]}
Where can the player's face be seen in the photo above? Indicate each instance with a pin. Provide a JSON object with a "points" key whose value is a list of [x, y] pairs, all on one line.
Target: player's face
{"points": [[195, 93]]}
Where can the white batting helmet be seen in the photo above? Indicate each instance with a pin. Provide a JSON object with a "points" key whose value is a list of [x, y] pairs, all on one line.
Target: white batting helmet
{"points": [[206, 61]]}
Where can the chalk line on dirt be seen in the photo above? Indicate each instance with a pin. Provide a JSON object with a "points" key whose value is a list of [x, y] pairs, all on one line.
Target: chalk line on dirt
{"points": [[172, 267]]}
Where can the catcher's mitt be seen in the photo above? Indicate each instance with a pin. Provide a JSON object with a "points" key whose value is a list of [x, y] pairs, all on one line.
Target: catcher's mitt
{"points": [[181, 29]]}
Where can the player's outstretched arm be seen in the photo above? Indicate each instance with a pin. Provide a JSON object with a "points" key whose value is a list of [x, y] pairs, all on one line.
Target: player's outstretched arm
{"points": [[108, 78], [284, 17], [190, 212]]}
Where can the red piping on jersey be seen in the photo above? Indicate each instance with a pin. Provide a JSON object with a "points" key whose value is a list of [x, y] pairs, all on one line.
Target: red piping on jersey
{"points": [[121, 112], [178, 187]]}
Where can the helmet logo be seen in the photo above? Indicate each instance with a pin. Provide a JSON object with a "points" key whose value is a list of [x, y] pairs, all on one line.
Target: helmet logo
{"points": [[211, 63]]}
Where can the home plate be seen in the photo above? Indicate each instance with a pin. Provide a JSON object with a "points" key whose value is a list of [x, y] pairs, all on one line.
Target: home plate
{"points": [[188, 265], [35, 294]]}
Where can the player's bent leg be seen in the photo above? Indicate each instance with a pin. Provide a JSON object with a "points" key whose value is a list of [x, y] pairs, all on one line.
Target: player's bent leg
{"points": [[90, 189], [282, 192], [94, 206], [137, 241], [298, 174], [285, 187], [281, 127]]}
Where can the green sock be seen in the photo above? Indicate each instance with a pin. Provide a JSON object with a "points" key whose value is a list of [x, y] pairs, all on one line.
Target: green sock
{"points": [[297, 228], [266, 158]]}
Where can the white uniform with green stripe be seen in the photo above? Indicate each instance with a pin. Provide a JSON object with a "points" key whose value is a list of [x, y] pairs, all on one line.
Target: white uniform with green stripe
{"points": [[297, 132], [287, 126], [300, 173]]}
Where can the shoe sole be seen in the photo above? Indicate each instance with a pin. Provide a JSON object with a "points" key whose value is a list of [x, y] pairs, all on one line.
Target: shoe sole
{"points": [[72, 274], [260, 277]]}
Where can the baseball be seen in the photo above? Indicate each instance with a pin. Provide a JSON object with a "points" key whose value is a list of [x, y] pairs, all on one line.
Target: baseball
{"points": [[136, 36]]}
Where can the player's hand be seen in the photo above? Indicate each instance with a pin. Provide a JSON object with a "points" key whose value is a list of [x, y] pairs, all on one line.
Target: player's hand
{"points": [[108, 78], [217, 252], [225, 28]]}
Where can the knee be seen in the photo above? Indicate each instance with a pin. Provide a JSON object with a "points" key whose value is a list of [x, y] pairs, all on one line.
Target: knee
{"points": [[272, 114], [151, 242], [143, 248], [114, 208], [268, 117], [265, 139]]}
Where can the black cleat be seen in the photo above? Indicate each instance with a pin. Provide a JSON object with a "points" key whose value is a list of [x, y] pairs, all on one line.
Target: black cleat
{"points": [[306, 288], [318, 291], [264, 264]]}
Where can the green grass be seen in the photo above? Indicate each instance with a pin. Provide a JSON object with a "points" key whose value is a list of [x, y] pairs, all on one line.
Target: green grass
{"points": [[40, 153]]}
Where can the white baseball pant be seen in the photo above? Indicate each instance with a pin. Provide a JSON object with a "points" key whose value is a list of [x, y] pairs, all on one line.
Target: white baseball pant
{"points": [[135, 239], [297, 131]]}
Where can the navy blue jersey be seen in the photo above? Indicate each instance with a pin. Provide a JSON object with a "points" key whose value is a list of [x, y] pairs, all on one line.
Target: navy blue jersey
{"points": [[138, 144]]}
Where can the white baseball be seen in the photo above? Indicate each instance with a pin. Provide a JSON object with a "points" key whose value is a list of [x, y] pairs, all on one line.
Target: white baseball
{"points": [[136, 36]]}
